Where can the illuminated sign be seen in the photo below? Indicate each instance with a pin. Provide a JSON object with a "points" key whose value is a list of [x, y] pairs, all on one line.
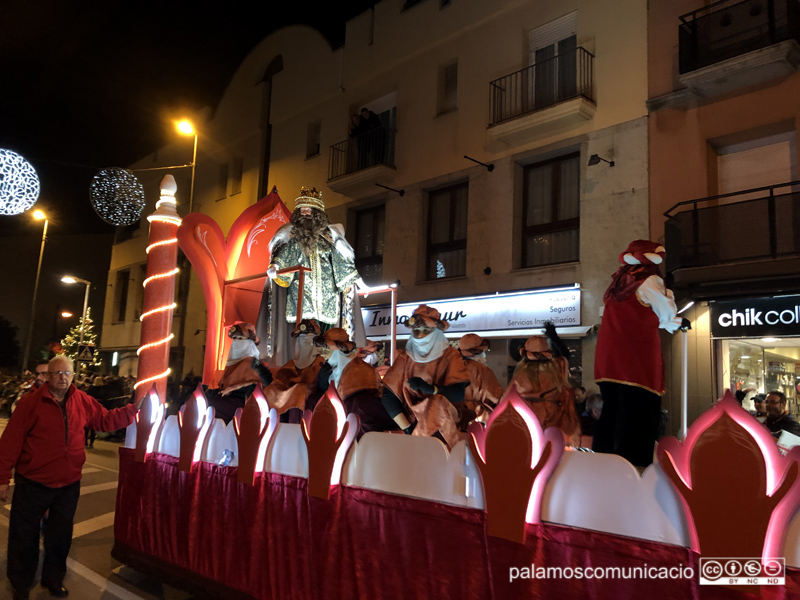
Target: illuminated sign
{"points": [[755, 317], [498, 312]]}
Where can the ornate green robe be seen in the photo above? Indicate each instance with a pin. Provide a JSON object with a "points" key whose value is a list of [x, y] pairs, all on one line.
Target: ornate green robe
{"points": [[331, 273]]}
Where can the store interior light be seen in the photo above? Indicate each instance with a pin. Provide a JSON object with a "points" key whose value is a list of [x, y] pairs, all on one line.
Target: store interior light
{"points": [[770, 339], [745, 357], [686, 306]]}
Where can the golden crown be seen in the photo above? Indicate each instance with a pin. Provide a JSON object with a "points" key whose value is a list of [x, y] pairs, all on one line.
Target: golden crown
{"points": [[309, 197]]}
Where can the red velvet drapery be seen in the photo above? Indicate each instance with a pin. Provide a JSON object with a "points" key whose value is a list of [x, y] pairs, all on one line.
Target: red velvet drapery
{"points": [[273, 541]]}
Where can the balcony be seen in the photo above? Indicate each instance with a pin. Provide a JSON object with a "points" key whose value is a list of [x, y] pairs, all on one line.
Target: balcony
{"points": [[358, 163], [553, 94], [737, 240], [732, 44]]}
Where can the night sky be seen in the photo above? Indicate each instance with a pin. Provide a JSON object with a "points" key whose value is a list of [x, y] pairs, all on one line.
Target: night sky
{"points": [[95, 84]]}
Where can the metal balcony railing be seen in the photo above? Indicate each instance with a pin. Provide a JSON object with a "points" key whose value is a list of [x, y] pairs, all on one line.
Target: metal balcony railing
{"points": [[371, 148], [563, 77], [761, 223], [730, 28]]}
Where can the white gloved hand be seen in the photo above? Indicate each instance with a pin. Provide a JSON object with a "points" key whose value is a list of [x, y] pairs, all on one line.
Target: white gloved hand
{"points": [[272, 272]]}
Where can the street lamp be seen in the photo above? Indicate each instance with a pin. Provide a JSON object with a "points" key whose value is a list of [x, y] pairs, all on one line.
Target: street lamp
{"points": [[39, 216], [69, 279], [185, 127]]}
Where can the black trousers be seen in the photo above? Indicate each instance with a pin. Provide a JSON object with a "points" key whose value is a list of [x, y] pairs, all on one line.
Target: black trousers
{"points": [[29, 504], [628, 424]]}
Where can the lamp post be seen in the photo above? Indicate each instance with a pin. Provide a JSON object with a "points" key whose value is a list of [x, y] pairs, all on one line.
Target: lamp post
{"points": [[38, 215], [69, 279], [185, 127]]}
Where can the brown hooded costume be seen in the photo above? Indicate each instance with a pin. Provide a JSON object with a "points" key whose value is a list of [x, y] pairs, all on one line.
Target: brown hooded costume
{"points": [[541, 379], [424, 383]]}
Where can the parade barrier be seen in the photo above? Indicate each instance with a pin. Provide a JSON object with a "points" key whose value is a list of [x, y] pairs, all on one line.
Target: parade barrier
{"points": [[410, 520]]}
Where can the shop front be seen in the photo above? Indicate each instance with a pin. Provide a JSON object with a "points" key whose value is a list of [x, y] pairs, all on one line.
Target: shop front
{"points": [[506, 319], [757, 345]]}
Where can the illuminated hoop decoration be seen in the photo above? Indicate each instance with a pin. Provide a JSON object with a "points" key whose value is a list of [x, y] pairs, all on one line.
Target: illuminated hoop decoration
{"points": [[19, 184], [117, 196], [159, 294]]}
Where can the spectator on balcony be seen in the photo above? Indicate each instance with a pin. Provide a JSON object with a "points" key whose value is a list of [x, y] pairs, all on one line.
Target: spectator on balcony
{"points": [[371, 139]]}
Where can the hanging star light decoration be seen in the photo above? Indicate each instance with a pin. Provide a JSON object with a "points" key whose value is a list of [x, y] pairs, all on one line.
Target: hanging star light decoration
{"points": [[117, 196], [19, 184]]}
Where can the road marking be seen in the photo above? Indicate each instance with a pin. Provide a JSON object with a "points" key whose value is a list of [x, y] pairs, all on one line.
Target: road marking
{"points": [[100, 487], [102, 467], [89, 470], [104, 584], [91, 525]]}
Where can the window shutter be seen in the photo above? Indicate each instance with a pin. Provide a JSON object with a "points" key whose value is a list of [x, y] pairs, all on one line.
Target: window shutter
{"points": [[551, 33], [758, 163]]}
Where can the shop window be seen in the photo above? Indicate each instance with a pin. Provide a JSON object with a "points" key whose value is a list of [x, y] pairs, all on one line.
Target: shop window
{"points": [[763, 366], [121, 286], [551, 212], [447, 232], [370, 227]]}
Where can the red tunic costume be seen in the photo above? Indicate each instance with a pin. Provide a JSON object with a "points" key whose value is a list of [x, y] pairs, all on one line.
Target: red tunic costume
{"points": [[628, 347]]}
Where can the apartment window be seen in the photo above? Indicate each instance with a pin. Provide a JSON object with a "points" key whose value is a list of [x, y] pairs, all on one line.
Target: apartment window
{"points": [[755, 163], [447, 232], [551, 212], [553, 51], [121, 295], [236, 176], [222, 182], [313, 139], [370, 226], [448, 88]]}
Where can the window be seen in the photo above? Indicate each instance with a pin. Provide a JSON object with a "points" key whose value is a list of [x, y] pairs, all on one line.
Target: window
{"points": [[553, 51], [313, 138], [222, 182], [236, 178], [754, 163], [121, 296], [448, 88], [370, 224], [447, 232], [125, 232], [551, 212]]}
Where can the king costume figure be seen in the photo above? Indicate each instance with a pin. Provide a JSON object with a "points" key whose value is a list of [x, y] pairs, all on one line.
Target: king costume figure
{"points": [[329, 288]]}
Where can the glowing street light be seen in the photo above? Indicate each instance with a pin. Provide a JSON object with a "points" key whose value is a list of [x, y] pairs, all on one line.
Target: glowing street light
{"points": [[66, 314], [39, 216], [70, 279], [185, 127]]}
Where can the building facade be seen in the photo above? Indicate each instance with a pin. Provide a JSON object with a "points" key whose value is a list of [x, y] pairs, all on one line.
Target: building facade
{"points": [[489, 116], [723, 154]]}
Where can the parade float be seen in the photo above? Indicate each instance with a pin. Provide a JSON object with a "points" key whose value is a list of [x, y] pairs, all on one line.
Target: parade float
{"points": [[303, 511]]}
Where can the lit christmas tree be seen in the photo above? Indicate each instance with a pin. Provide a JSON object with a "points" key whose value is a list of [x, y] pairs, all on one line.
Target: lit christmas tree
{"points": [[72, 341]]}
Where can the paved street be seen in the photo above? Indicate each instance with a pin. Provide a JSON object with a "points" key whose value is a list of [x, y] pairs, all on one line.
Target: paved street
{"points": [[92, 572]]}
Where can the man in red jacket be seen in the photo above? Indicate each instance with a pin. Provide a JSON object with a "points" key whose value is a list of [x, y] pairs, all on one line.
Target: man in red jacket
{"points": [[44, 444]]}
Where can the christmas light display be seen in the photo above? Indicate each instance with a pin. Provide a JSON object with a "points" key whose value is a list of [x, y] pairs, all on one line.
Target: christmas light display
{"points": [[117, 196], [159, 294], [72, 341], [19, 184]]}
